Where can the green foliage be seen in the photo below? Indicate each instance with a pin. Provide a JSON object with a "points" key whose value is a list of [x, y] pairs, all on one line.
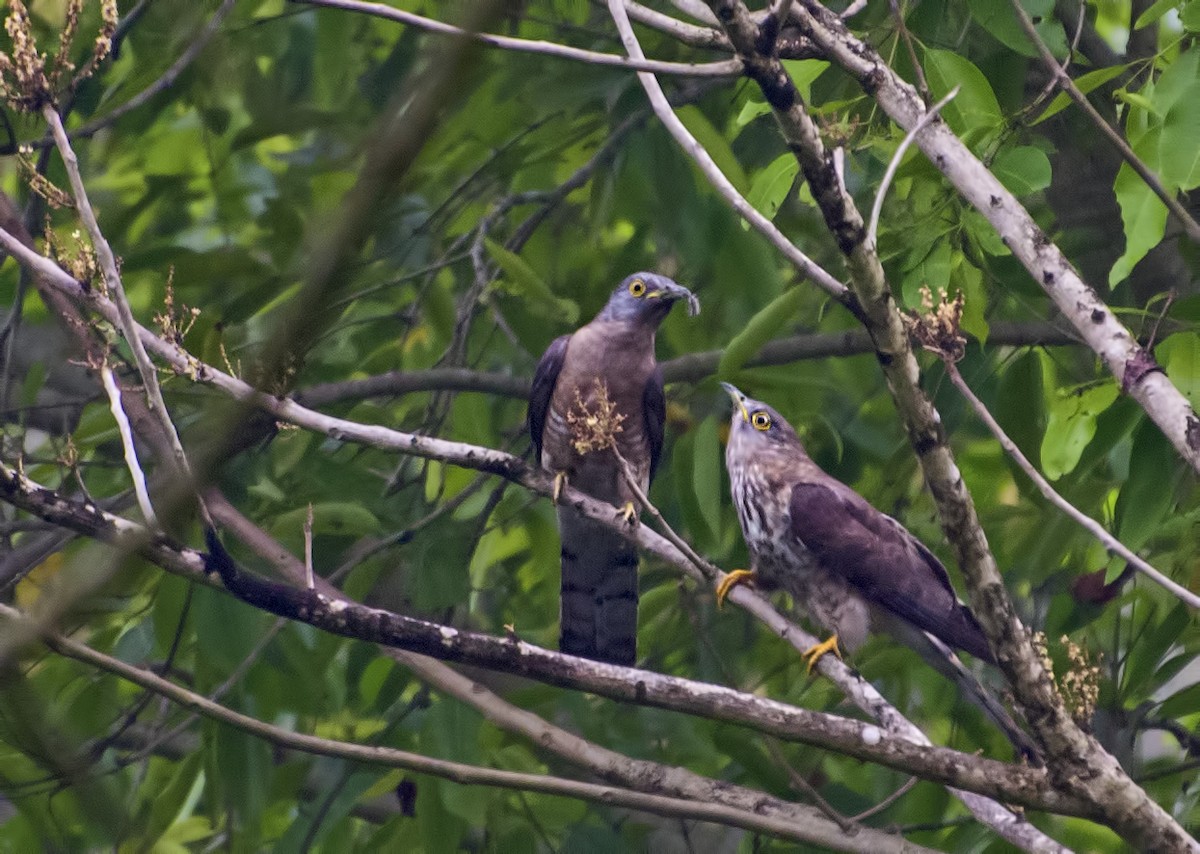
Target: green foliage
{"points": [[223, 183]]}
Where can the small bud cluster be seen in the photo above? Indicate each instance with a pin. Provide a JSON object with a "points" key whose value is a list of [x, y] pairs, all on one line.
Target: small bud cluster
{"points": [[939, 328], [175, 327], [596, 428], [75, 255], [1080, 685], [28, 79], [39, 183]]}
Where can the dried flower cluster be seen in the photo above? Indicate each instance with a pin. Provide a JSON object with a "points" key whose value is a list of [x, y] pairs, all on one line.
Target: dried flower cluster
{"points": [[175, 327], [596, 428], [39, 183], [28, 80], [76, 256], [1080, 685], [939, 328]]}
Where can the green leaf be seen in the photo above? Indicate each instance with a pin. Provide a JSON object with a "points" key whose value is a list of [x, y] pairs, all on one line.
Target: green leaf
{"points": [[752, 110], [1190, 17], [1023, 169], [772, 185], [1146, 496], [714, 143], [451, 731], [1085, 83], [1179, 144], [1145, 219], [521, 280], [765, 324], [1179, 354], [1141, 673], [706, 473], [1000, 21], [804, 72], [1156, 11], [343, 518], [1184, 702], [975, 106], [969, 279], [1071, 425]]}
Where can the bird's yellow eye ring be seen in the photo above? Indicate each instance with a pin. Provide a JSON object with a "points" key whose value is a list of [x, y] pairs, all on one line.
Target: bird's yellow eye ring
{"points": [[761, 420], [637, 287]]}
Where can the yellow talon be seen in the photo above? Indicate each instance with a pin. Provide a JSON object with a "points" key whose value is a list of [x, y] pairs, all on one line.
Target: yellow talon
{"points": [[560, 480], [732, 580], [629, 513], [811, 655]]}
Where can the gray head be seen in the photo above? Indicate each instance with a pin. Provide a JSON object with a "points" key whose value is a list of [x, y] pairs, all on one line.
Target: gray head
{"points": [[757, 428], [646, 298]]}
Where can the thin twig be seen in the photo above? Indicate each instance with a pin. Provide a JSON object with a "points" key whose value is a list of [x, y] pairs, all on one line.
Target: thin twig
{"points": [[906, 37], [1093, 527], [888, 801], [1110, 133], [131, 458], [692, 147], [308, 540], [726, 68], [112, 280], [894, 164]]}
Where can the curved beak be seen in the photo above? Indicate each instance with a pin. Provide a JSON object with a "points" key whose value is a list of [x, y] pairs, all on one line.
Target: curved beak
{"points": [[739, 399], [673, 293]]}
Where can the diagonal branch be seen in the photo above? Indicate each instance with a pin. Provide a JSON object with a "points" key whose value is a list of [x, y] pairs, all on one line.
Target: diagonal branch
{"points": [[812, 829], [1060, 77], [662, 109], [1077, 760], [331, 612], [1111, 543]]}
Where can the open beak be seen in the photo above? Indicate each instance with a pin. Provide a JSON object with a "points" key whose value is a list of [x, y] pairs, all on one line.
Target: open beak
{"points": [[674, 293], [739, 399]]}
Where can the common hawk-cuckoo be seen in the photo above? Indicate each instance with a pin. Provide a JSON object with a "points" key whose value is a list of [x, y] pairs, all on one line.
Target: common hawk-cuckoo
{"points": [[850, 567], [611, 357]]}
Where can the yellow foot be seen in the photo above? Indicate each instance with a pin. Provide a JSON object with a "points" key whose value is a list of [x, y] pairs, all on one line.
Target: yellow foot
{"points": [[811, 655], [732, 580], [560, 480], [629, 513]]}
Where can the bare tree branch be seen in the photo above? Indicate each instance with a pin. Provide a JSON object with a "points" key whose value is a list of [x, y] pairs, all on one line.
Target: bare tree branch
{"points": [[1140, 377], [726, 68], [814, 828], [662, 109], [691, 368], [1078, 762], [332, 612]]}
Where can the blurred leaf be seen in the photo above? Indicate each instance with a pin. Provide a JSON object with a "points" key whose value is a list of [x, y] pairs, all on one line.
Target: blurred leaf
{"points": [[772, 185], [765, 324], [975, 106], [1071, 425], [1023, 169], [520, 280]]}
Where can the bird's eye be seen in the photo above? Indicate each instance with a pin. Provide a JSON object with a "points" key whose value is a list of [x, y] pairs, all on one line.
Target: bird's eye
{"points": [[761, 420], [637, 287]]}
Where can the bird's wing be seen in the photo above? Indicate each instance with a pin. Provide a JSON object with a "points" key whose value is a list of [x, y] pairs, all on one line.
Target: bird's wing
{"points": [[882, 561], [544, 379], [654, 409]]}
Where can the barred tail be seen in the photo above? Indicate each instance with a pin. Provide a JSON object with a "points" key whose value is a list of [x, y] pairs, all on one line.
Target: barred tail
{"points": [[598, 615]]}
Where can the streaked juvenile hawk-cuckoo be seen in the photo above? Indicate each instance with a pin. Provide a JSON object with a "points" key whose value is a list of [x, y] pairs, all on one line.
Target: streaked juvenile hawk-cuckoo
{"points": [[848, 566], [612, 357]]}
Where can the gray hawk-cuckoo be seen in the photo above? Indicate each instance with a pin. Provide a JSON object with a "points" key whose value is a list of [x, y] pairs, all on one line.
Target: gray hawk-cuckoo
{"points": [[611, 357], [850, 567]]}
